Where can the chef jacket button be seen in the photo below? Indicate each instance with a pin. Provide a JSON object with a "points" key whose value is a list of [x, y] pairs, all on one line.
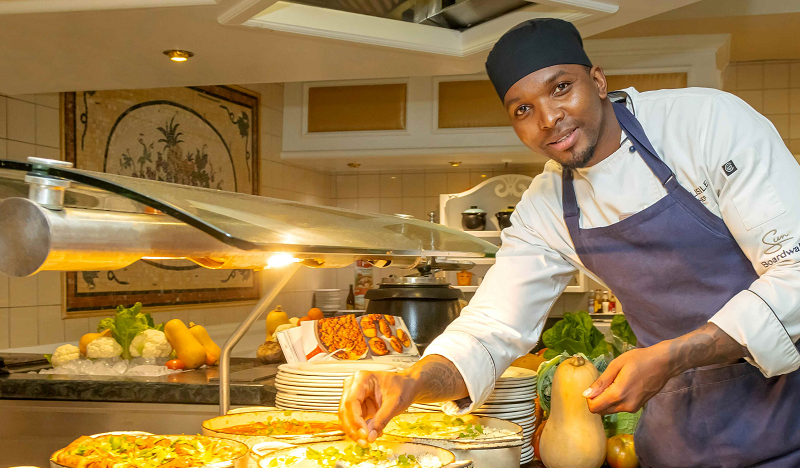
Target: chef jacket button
{"points": [[632, 149]]}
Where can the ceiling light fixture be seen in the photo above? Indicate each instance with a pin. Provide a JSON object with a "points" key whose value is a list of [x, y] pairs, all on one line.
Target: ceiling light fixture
{"points": [[178, 55], [353, 165], [455, 163]]}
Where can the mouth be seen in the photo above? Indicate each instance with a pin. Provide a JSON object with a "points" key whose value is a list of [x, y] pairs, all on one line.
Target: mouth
{"points": [[564, 141]]}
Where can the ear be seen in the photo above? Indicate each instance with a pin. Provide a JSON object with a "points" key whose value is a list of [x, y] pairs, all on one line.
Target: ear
{"points": [[599, 78]]}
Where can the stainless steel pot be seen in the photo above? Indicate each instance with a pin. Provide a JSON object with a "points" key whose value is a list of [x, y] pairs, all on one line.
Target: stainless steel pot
{"points": [[427, 304]]}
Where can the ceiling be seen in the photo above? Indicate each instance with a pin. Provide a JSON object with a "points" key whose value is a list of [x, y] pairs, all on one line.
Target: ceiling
{"points": [[759, 29], [70, 45]]}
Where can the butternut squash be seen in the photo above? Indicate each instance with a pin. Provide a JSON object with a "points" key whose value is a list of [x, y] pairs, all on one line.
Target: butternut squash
{"points": [[212, 350], [89, 337], [573, 436], [189, 350], [275, 319]]}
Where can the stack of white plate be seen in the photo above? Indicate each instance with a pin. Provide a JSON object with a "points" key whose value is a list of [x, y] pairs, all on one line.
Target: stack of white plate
{"points": [[317, 387], [511, 400]]}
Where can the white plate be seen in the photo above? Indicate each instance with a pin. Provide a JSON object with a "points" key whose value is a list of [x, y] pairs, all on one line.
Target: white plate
{"points": [[516, 373], [292, 406], [531, 386], [333, 369], [308, 399], [513, 391], [332, 384], [307, 390], [506, 407], [507, 416], [510, 399]]}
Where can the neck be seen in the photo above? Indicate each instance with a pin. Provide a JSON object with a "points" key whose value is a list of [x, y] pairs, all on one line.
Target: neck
{"points": [[610, 135]]}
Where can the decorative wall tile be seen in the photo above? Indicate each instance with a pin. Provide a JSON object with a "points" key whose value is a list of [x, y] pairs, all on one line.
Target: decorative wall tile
{"points": [[776, 101], [435, 183], [4, 329], [3, 149], [391, 185], [197, 316], [391, 205], [457, 182], [750, 76], [3, 116], [415, 206], [21, 121], [47, 152], [729, 78], [794, 101], [369, 186], [3, 291], [478, 177], [51, 330], [413, 185], [347, 186], [49, 288], [19, 151], [23, 291], [347, 203], [794, 126], [432, 204], [23, 326], [75, 328], [47, 126], [370, 205], [776, 75]]}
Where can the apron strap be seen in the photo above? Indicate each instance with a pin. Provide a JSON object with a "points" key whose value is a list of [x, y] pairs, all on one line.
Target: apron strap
{"points": [[569, 200], [631, 126]]}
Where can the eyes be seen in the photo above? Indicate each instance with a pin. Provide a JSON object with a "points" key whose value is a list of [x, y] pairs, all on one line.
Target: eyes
{"points": [[559, 90]]}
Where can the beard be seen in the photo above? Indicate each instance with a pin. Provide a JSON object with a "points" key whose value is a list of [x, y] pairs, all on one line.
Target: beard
{"points": [[581, 158]]}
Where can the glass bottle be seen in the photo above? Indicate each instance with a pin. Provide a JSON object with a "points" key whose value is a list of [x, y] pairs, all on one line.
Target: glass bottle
{"points": [[351, 299]]}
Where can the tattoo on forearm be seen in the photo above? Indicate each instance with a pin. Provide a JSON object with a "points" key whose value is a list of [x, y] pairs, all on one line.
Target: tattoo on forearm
{"points": [[705, 346], [440, 382]]}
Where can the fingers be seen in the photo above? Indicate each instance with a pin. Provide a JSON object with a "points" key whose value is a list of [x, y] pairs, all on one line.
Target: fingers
{"points": [[605, 380], [351, 407], [389, 409]]}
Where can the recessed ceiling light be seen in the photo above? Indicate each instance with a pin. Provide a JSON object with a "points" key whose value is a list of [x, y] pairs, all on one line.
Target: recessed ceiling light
{"points": [[353, 165], [178, 55], [455, 163]]}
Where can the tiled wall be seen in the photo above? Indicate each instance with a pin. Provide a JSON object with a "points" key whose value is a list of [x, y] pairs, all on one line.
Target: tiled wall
{"points": [[773, 89], [30, 308]]}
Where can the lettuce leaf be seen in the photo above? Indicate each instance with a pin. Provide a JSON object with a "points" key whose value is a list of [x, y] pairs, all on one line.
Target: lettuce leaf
{"points": [[126, 324], [621, 423], [623, 337], [574, 334]]}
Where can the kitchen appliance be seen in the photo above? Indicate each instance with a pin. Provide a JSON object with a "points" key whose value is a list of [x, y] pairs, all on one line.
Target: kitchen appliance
{"points": [[504, 217], [427, 304], [473, 219], [464, 278]]}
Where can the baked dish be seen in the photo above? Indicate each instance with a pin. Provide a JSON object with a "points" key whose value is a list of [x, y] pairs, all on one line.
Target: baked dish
{"points": [[342, 333], [446, 428], [354, 456], [278, 427], [147, 451]]}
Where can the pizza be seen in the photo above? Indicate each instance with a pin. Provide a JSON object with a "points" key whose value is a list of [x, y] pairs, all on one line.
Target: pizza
{"points": [[278, 427], [147, 451]]}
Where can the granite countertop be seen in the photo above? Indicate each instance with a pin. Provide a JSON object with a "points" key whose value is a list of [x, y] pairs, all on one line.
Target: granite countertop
{"points": [[199, 386]]}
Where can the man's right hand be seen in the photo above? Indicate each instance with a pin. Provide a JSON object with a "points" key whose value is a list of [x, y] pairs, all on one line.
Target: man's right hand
{"points": [[371, 399]]}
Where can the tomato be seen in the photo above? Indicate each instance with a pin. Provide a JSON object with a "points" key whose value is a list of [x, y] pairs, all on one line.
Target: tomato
{"points": [[175, 364], [620, 452], [536, 436]]}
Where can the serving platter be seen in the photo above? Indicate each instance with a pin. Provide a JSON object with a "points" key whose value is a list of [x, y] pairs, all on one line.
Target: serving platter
{"points": [[339, 369], [215, 427]]}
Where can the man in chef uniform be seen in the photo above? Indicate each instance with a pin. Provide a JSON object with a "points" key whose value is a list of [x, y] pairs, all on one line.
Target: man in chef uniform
{"points": [[684, 203]]}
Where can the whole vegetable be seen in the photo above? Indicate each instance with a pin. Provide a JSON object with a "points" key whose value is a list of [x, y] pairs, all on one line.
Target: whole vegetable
{"points": [[105, 347], [64, 354], [89, 337], [189, 350], [537, 436], [212, 350], [275, 319], [621, 453], [126, 325], [574, 334], [150, 344], [573, 436], [175, 364]]}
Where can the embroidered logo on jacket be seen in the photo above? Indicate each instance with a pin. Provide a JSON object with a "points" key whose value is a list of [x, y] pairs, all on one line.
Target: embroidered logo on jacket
{"points": [[729, 168]]}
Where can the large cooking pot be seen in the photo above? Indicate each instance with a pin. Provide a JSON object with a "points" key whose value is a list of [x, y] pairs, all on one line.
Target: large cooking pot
{"points": [[427, 304]]}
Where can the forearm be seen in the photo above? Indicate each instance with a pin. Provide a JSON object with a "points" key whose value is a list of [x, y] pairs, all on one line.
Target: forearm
{"points": [[436, 379], [703, 347]]}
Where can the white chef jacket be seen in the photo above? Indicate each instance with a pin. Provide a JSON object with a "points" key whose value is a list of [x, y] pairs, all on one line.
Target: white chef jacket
{"points": [[697, 132]]}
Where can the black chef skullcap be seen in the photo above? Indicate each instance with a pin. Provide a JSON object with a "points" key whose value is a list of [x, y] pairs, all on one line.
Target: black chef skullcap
{"points": [[531, 46]]}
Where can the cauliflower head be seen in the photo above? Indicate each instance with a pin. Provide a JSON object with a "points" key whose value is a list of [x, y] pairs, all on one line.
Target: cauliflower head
{"points": [[105, 347], [150, 344], [64, 354], [281, 328]]}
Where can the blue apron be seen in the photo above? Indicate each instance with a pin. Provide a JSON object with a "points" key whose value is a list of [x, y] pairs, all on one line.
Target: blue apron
{"points": [[674, 265]]}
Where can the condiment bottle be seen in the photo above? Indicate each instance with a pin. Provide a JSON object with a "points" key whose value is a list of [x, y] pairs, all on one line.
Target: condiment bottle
{"points": [[591, 302], [605, 302], [598, 301], [351, 299]]}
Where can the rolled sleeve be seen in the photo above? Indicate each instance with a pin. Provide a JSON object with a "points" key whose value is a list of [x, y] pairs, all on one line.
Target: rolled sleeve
{"points": [[752, 323], [475, 364]]}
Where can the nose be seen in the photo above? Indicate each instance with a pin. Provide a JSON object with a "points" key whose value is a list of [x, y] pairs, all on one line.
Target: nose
{"points": [[549, 116]]}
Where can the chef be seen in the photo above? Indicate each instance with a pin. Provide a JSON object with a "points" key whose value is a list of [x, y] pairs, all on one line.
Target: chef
{"points": [[683, 202]]}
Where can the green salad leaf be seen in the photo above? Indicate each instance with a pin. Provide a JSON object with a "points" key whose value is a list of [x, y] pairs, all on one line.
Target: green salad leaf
{"points": [[574, 334], [126, 324], [621, 423], [623, 338]]}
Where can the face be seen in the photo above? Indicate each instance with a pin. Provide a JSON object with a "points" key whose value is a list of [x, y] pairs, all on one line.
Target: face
{"points": [[558, 111]]}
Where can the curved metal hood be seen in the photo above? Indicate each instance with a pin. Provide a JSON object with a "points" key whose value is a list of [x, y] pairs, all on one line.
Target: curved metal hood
{"points": [[109, 221]]}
